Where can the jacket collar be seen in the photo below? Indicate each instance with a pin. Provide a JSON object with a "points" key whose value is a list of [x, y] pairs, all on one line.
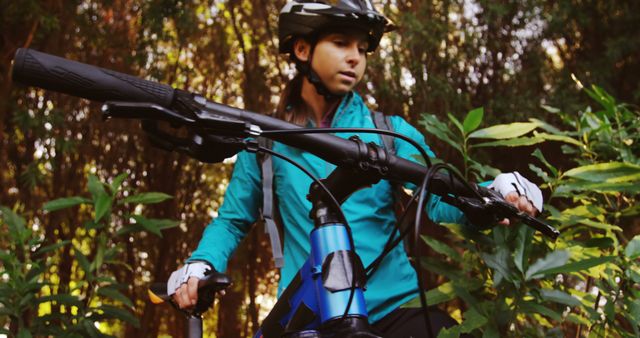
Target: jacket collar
{"points": [[351, 103]]}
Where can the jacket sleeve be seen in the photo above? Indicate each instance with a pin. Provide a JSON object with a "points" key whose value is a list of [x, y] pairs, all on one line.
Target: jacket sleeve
{"points": [[238, 212], [438, 211]]}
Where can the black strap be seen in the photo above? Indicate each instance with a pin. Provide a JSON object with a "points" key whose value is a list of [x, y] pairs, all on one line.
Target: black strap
{"points": [[384, 123], [268, 198]]}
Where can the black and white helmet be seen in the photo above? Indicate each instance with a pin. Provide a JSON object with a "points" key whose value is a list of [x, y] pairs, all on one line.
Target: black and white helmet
{"points": [[307, 17]]}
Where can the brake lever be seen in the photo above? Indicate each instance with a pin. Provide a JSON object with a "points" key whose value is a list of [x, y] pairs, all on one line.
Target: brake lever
{"points": [[201, 120], [144, 111], [510, 211], [205, 148], [493, 208]]}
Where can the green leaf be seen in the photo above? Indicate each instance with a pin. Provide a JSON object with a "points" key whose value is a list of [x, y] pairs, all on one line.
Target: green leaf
{"points": [[538, 154], [99, 257], [92, 224], [456, 122], [634, 310], [553, 259], [114, 294], [505, 131], [600, 225], [602, 97], [16, 223], [450, 332], [473, 120], [96, 188], [599, 242], [610, 309], [514, 142], [64, 299], [601, 187], [442, 248], [439, 267], [490, 332], [121, 314], [541, 173], [26, 301], [472, 320], [523, 241], [582, 265], [444, 292], [440, 130], [63, 203], [532, 307], [499, 262], [484, 171], [155, 226], [129, 229], [560, 297], [559, 138], [550, 109], [147, 198], [90, 328], [24, 333], [612, 172], [117, 183], [102, 206], [577, 319], [52, 247], [82, 261], [632, 251]]}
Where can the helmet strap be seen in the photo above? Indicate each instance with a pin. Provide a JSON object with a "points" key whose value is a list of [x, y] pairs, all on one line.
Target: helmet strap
{"points": [[307, 70]]}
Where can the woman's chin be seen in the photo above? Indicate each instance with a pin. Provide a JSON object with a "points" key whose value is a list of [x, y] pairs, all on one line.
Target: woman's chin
{"points": [[341, 89]]}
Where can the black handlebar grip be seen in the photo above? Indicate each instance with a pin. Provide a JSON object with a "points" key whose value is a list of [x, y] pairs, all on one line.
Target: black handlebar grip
{"points": [[50, 72]]}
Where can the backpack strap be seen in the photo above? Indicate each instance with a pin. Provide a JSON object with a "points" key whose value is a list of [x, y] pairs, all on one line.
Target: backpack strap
{"points": [[268, 202], [384, 123], [268, 196]]}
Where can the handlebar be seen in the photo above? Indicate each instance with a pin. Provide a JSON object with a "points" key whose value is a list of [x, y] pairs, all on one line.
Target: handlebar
{"points": [[153, 101], [90, 82], [94, 83]]}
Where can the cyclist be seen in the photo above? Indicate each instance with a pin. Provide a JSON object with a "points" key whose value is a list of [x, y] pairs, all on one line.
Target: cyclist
{"points": [[328, 41]]}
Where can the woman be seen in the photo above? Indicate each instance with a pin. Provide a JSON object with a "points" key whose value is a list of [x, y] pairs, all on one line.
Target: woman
{"points": [[329, 45]]}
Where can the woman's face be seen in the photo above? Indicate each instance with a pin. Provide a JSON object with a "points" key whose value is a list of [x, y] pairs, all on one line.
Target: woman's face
{"points": [[339, 59]]}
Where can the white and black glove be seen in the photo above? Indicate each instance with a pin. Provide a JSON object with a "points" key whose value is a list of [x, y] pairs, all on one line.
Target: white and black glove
{"points": [[181, 276], [510, 182]]}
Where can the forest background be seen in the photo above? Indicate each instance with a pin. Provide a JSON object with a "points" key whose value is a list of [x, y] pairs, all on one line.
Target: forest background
{"points": [[80, 266]]}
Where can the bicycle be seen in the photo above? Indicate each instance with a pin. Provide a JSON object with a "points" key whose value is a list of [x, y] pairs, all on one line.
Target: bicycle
{"points": [[326, 298]]}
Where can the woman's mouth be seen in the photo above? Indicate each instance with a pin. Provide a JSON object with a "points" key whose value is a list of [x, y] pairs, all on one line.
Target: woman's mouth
{"points": [[348, 74]]}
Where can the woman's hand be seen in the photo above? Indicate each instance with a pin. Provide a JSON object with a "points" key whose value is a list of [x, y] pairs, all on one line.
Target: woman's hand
{"points": [[182, 285], [520, 202], [520, 192], [186, 295]]}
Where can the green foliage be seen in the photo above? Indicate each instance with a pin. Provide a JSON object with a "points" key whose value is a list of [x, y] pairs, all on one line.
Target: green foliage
{"points": [[513, 281], [38, 305]]}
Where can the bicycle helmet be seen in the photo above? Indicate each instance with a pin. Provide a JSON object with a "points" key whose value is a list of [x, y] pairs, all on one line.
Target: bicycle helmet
{"points": [[308, 18]]}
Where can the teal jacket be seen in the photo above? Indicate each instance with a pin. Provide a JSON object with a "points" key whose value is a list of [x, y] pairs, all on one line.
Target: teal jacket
{"points": [[370, 212]]}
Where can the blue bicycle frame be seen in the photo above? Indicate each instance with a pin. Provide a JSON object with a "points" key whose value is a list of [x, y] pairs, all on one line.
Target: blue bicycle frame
{"points": [[311, 303], [327, 293]]}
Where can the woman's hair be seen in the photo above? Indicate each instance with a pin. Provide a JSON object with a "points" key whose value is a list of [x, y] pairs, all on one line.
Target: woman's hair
{"points": [[291, 107]]}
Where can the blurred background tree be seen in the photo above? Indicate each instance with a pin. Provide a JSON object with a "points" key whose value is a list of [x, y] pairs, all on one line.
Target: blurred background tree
{"points": [[445, 57]]}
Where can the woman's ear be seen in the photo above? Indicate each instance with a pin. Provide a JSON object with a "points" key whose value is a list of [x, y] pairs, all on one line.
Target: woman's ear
{"points": [[301, 49]]}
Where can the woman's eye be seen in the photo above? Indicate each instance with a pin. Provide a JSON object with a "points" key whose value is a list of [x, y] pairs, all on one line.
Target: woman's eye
{"points": [[340, 42]]}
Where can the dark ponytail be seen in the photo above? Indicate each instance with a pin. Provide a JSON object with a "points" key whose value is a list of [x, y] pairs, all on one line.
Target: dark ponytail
{"points": [[291, 107]]}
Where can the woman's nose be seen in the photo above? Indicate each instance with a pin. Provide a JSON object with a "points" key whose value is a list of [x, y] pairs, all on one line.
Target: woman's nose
{"points": [[353, 55]]}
